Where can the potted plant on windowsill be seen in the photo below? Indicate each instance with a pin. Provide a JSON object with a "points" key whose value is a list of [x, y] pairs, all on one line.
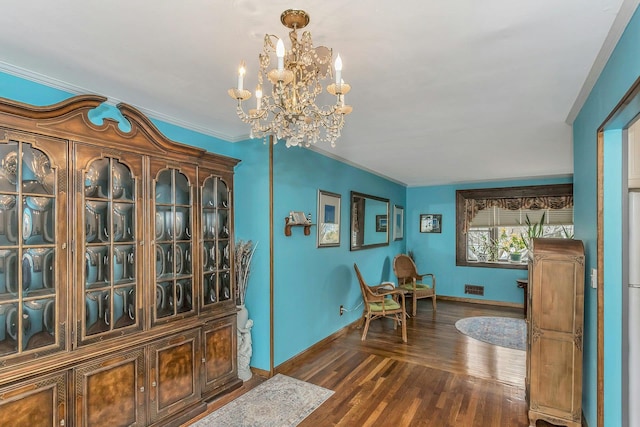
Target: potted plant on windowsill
{"points": [[534, 230], [515, 246]]}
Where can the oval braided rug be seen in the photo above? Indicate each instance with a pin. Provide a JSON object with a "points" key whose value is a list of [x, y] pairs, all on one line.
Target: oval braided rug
{"points": [[502, 331]]}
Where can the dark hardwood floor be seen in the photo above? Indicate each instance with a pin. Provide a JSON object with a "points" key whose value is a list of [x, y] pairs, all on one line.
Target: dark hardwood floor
{"points": [[439, 378]]}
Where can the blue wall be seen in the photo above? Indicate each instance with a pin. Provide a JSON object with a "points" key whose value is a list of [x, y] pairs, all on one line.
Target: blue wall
{"points": [[621, 71], [311, 283], [436, 252], [25, 91]]}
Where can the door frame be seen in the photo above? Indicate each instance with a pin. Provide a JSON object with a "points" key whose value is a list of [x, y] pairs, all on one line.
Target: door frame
{"points": [[621, 117]]}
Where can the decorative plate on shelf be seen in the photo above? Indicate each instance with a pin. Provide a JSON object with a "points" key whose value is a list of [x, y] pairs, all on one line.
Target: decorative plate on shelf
{"points": [[27, 224], [9, 167], [159, 225]]}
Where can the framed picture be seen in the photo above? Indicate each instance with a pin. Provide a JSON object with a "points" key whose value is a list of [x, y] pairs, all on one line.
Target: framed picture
{"points": [[381, 223], [398, 222], [328, 219], [431, 223]]}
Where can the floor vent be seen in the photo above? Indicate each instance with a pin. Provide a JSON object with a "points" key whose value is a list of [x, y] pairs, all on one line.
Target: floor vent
{"points": [[474, 289]]}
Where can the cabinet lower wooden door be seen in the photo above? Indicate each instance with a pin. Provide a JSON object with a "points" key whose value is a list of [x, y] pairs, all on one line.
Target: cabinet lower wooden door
{"points": [[111, 391], [174, 374], [35, 403], [220, 364]]}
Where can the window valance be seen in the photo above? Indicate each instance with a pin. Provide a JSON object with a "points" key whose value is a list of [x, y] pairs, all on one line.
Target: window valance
{"points": [[525, 204]]}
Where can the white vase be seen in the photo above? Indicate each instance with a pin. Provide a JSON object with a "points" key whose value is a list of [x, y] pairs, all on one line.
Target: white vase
{"points": [[244, 343]]}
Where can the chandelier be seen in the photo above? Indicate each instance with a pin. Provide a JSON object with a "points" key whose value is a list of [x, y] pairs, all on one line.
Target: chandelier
{"points": [[290, 112]]}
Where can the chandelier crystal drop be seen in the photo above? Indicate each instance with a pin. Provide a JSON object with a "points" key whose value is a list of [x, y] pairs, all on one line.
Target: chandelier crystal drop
{"points": [[289, 111]]}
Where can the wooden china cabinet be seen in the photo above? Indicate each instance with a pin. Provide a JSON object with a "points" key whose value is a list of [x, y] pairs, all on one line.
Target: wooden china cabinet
{"points": [[116, 270]]}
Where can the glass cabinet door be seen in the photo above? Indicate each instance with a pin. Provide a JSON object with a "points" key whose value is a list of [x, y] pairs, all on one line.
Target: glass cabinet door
{"points": [[29, 247], [111, 254], [173, 249], [217, 253]]}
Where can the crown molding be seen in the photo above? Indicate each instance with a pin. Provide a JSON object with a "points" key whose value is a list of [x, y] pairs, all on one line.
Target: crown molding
{"points": [[355, 165]]}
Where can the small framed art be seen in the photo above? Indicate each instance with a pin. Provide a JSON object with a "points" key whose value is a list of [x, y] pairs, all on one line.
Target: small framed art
{"points": [[430, 223], [381, 223], [398, 222], [328, 219]]}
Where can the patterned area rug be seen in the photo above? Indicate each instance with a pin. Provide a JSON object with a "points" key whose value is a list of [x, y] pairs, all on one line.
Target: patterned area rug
{"points": [[280, 401], [503, 331]]}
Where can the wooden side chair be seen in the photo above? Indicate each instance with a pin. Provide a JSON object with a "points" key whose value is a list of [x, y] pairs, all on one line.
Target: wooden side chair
{"points": [[411, 281], [379, 302]]}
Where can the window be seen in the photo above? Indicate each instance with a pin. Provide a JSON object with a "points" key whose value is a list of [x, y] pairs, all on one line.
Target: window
{"points": [[494, 225]]}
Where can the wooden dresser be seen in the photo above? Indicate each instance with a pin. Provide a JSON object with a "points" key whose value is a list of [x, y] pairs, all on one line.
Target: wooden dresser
{"points": [[116, 270], [554, 330]]}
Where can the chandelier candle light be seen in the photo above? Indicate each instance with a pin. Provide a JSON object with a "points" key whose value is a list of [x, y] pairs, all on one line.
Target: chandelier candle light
{"points": [[290, 111]]}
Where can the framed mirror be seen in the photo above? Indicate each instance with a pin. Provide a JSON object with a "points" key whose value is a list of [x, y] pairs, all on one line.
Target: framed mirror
{"points": [[369, 221]]}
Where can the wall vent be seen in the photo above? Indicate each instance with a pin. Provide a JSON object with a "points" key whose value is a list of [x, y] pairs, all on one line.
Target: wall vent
{"points": [[474, 289]]}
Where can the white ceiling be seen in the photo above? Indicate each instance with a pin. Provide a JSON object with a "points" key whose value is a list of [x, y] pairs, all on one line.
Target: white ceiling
{"points": [[442, 91]]}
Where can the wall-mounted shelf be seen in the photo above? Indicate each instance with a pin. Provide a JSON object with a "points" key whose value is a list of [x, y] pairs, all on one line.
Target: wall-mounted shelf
{"points": [[287, 227]]}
